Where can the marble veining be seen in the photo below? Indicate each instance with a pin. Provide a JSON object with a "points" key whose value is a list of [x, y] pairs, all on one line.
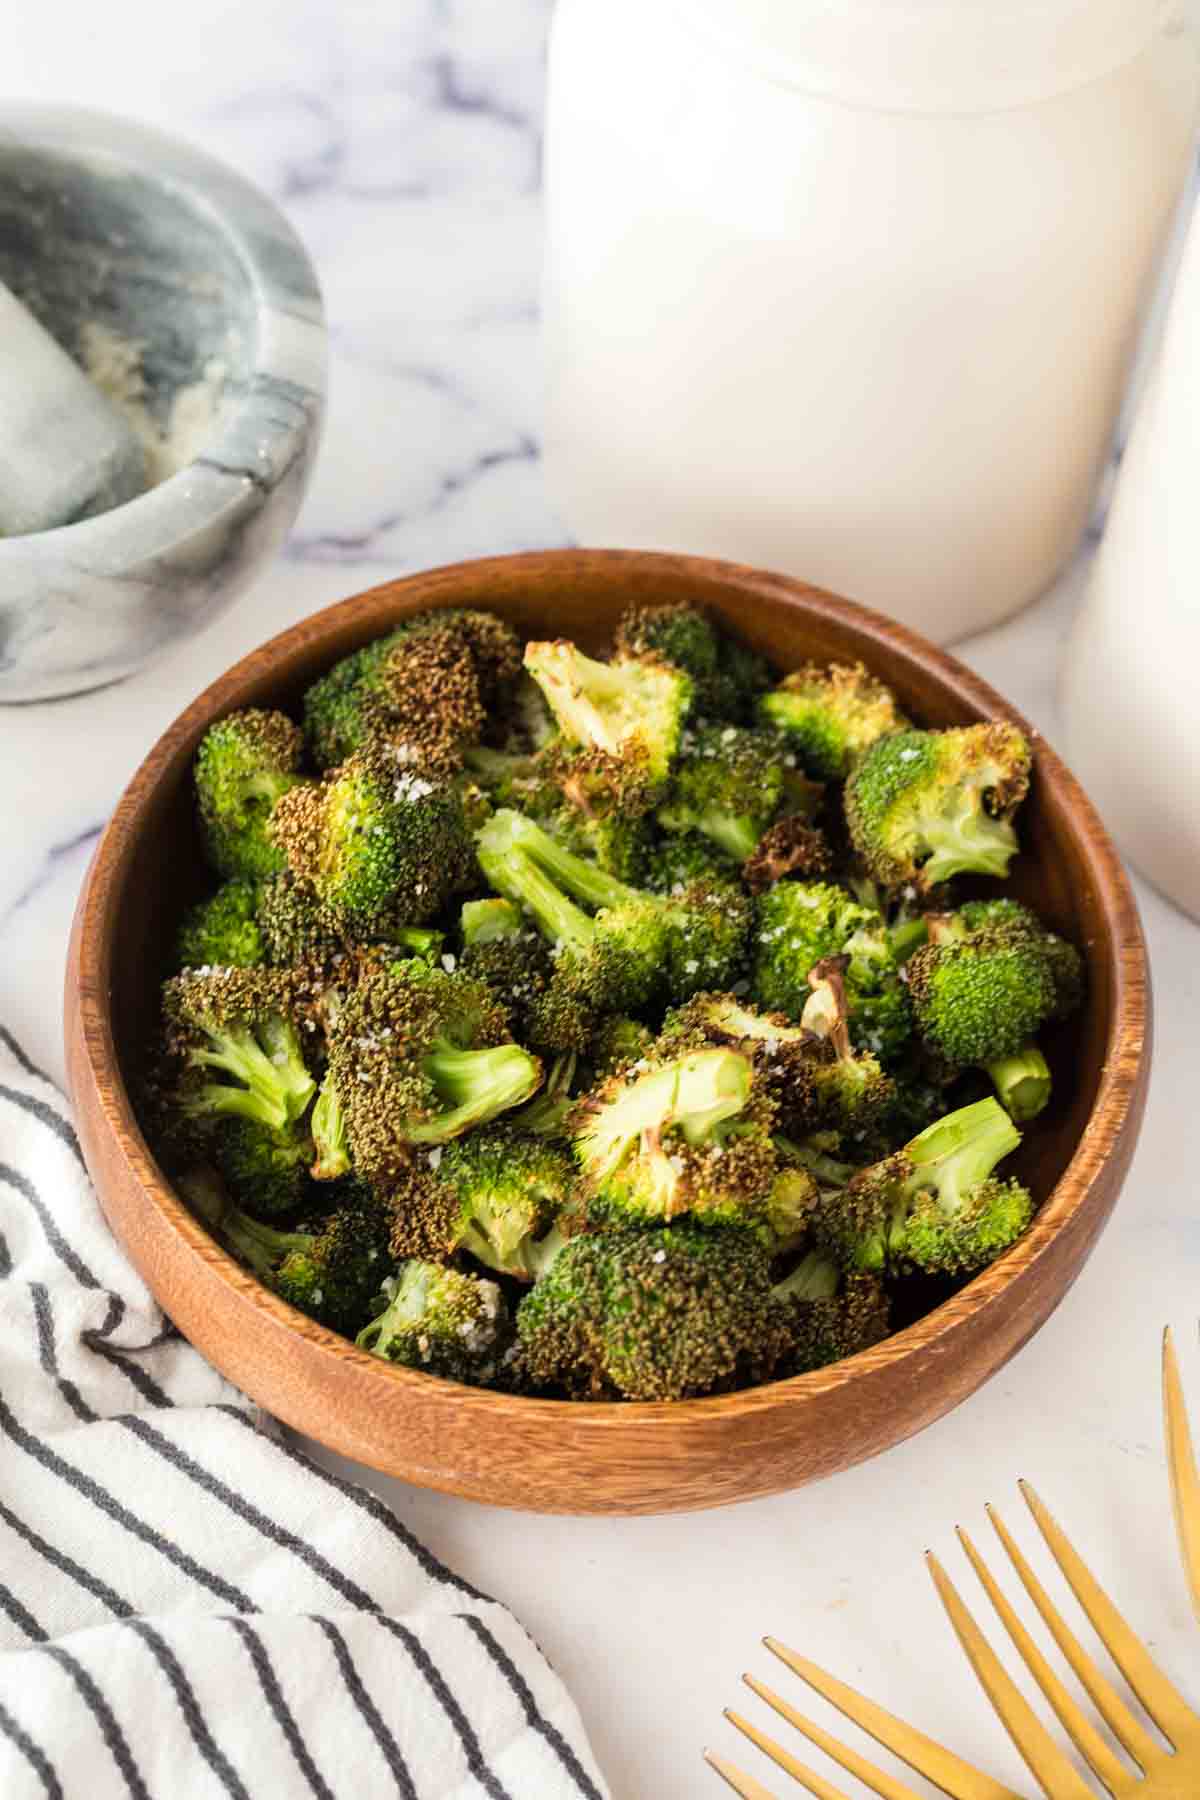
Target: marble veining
{"points": [[403, 143]]}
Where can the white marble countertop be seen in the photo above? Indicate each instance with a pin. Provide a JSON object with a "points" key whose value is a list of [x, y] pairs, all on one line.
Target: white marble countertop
{"points": [[404, 143]]}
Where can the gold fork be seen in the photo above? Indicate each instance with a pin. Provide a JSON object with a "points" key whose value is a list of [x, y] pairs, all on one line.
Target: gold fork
{"points": [[1152, 1768]]}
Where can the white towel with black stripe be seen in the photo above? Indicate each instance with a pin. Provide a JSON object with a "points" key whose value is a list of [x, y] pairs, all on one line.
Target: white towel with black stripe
{"points": [[190, 1609]]}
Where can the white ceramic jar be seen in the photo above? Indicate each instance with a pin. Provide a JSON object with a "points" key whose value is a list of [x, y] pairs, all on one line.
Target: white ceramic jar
{"points": [[1131, 712], [851, 290]]}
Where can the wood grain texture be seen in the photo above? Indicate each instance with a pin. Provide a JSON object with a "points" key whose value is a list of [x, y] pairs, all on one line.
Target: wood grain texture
{"points": [[619, 1458]]}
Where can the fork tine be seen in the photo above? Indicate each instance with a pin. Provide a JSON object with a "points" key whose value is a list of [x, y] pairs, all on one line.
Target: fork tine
{"points": [[1181, 1458], [1170, 1712], [1057, 1777], [886, 1786], [1108, 1703], [948, 1772], [1075, 1723], [816, 1784], [739, 1781]]}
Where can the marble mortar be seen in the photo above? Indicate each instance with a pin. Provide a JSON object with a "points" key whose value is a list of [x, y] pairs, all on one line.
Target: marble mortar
{"points": [[109, 228]]}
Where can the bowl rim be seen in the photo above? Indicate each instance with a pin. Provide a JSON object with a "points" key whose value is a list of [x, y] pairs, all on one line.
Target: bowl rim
{"points": [[1115, 1107], [174, 510]]}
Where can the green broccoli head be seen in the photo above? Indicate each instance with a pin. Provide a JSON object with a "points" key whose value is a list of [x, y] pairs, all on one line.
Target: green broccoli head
{"points": [[726, 676], [690, 1134], [610, 962], [729, 784], [923, 806], [294, 926], [630, 710], [801, 923], [786, 1057], [984, 995], [617, 1042], [427, 687], [442, 1321], [267, 1169], [830, 715], [331, 1269], [377, 841], [652, 1315], [682, 857], [1009, 916], [244, 765], [936, 1205], [831, 1314], [234, 1041], [418, 1056], [223, 932], [507, 1189]]}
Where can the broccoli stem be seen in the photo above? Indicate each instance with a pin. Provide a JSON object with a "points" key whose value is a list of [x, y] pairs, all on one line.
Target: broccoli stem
{"points": [[737, 835], [475, 1085], [956, 1154], [1022, 1082], [905, 936], [555, 916], [486, 921], [259, 1246], [815, 1277], [970, 842], [328, 1125], [584, 881]]}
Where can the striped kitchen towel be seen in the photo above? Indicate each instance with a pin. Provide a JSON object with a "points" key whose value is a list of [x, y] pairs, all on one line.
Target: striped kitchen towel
{"points": [[188, 1605]]}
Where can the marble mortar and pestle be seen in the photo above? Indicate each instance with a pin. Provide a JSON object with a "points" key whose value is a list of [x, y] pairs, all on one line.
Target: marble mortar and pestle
{"points": [[147, 473]]}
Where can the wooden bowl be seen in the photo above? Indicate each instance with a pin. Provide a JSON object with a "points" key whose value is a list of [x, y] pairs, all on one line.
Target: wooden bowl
{"points": [[559, 1456]]}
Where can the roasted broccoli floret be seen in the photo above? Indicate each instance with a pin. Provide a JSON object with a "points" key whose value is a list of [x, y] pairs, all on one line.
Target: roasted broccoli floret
{"points": [[426, 687], [245, 763], [630, 711], [639, 943], [786, 1056], [800, 923], [830, 1314], [981, 995], [235, 1081], [332, 1269], [267, 1169], [681, 857], [830, 715], [507, 1188], [789, 847], [581, 797], [376, 842], [442, 1321], [652, 1315], [727, 676], [729, 785], [686, 1135], [934, 1205], [617, 1042], [418, 1056], [222, 932], [925, 805], [294, 926], [233, 1035]]}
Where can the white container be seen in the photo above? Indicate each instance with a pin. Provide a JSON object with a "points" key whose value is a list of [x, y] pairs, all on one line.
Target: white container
{"points": [[851, 290], [1131, 715]]}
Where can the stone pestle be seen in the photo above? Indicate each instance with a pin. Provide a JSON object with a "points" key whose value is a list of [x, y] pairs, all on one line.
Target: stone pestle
{"points": [[65, 451]]}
